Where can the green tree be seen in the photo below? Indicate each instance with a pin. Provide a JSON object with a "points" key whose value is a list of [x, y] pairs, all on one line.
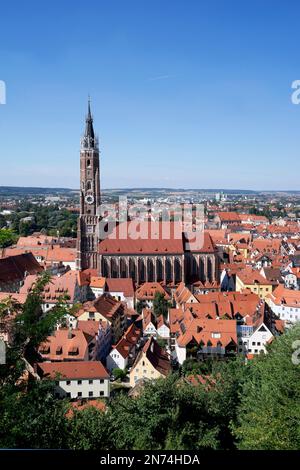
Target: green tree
{"points": [[167, 415], [89, 429], [192, 366], [160, 305], [140, 305], [30, 415], [269, 414], [7, 237], [29, 328], [32, 418], [119, 373], [2, 221]]}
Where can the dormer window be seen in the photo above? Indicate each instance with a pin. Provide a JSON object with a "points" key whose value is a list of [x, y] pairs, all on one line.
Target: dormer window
{"points": [[73, 351], [216, 335]]}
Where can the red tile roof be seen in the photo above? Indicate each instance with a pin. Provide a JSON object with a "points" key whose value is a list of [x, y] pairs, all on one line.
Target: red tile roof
{"points": [[84, 404], [124, 285], [285, 297], [35, 240], [107, 305], [150, 238], [57, 253], [20, 298], [97, 282], [267, 246], [229, 216], [250, 276], [157, 356], [128, 341], [58, 286], [13, 268], [73, 370], [88, 327], [183, 294], [148, 290], [187, 327], [123, 239], [65, 345]]}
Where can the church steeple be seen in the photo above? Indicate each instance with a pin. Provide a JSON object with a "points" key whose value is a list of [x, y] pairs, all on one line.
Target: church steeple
{"points": [[89, 140], [87, 239]]}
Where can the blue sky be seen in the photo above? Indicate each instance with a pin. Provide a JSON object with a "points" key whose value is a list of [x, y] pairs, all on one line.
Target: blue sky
{"points": [[185, 93]]}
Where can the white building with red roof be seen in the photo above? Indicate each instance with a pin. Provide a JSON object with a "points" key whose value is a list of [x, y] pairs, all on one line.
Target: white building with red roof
{"points": [[285, 303], [65, 285], [77, 380], [121, 289], [65, 345], [123, 353]]}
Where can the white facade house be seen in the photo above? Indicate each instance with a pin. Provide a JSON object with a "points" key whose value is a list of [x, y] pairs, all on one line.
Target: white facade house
{"points": [[150, 329], [123, 353], [179, 353], [77, 380], [119, 295], [116, 360], [162, 328], [285, 303], [253, 340], [290, 280], [154, 326], [121, 289], [163, 331], [97, 291], [149, 322], [290, 314], [83, 388]]}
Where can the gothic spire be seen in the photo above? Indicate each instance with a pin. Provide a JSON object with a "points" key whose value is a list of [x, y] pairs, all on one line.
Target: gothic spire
{"points": [[89, 129], [89, 141]]}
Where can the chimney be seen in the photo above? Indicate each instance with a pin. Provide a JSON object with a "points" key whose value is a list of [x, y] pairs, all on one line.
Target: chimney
{"points": [[70, 336]]}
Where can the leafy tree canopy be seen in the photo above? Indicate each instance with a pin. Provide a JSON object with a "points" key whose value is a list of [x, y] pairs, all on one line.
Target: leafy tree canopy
{"points": [[7, 237]]}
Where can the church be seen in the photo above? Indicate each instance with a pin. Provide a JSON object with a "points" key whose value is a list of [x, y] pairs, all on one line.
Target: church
{"points": [[152, 259]]}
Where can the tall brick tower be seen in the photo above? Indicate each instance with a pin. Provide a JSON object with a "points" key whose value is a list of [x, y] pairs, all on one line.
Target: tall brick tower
{"points": [[88, 230]]}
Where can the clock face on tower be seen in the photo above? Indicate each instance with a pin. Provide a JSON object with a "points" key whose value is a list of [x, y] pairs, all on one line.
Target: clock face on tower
{"points": [[89, 199]]}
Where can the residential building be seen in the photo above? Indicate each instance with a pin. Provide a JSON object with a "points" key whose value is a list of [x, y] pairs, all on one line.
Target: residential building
{"points": [[151, 363], [153, 326], [183, 295], [65, 345], [201, 337], [123, 353], [285, 303], [112, 311], [65, 285], [147, 292], [14, 269], [254, 281], [77, 380], [121, 289]]}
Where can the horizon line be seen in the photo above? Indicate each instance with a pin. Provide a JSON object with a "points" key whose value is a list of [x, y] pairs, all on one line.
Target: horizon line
{"points": [[158, 188]]}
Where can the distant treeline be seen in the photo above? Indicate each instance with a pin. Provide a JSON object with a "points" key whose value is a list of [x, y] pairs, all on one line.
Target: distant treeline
{"points": [[30, 218]]}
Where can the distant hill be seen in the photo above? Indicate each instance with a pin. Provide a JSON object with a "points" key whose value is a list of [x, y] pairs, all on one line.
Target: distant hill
{"points": [[18, 190], [27, 191]]}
